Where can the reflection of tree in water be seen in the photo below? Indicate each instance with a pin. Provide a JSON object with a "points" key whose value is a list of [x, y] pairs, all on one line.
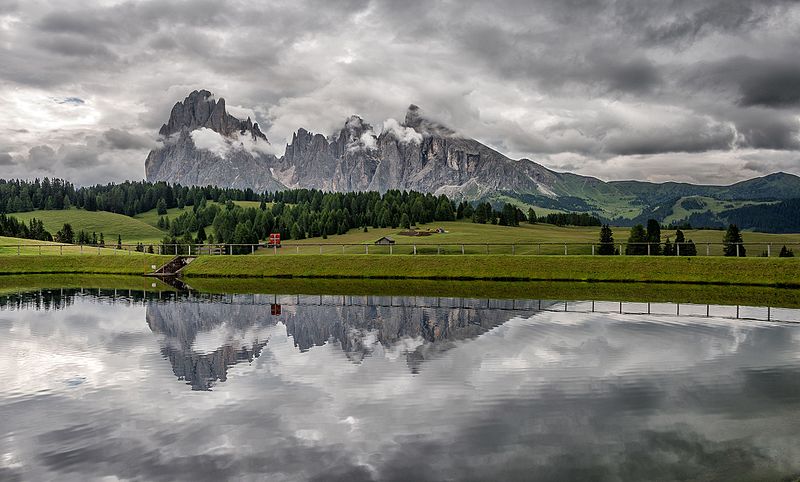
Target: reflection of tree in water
{"points": [[181, 323]]}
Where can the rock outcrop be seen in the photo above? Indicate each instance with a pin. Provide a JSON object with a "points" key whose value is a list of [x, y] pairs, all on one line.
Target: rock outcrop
{"points": [[202, 144]]}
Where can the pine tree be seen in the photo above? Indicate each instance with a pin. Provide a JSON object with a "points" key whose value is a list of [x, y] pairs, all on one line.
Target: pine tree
{"points": [[732, 242], [119, 241], [786, 253], [65, 234], [606, 241], [161, 207], [531, 216], [654, 236], [637, 241]]}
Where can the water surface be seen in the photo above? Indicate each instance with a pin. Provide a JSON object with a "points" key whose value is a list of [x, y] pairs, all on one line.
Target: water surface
{"points": [[393, 388]]}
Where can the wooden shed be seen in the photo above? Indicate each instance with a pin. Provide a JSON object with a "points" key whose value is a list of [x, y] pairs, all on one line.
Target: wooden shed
{"points": [[385, 241]]}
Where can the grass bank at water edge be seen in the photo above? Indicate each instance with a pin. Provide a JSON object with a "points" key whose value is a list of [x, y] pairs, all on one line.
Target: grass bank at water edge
{"points": [[701, 270], [137, 264]]}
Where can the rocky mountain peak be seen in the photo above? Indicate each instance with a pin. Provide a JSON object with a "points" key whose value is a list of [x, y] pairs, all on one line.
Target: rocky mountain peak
{"points": [[416, 120], [201, 109]]}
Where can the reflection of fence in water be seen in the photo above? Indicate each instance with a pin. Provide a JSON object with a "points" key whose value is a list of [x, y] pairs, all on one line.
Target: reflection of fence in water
{"points": [[61, 298]]}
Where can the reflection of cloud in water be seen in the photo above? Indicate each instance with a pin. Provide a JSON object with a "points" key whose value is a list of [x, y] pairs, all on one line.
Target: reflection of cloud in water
{"points": [[548, 396]]}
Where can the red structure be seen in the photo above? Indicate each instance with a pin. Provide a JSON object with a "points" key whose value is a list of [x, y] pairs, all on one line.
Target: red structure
{"points": [[275, 309], [274, 240]]}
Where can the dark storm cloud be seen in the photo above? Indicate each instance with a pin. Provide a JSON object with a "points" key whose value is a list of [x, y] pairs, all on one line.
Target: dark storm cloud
{"points": [[120, 139], [766, 82], [538, 78]]}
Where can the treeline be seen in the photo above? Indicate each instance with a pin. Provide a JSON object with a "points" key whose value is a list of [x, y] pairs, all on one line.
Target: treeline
{"points": [[14, 228], [511, 215], [128, 198], [303, 213], [782, 217], [647, 241]]}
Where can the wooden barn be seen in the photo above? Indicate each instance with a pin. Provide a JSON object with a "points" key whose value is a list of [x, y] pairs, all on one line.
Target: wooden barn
{"points": [[385, 241]]}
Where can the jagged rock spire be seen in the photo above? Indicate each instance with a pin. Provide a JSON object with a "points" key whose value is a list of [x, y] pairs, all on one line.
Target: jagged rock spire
{"points": [[201, 109]]}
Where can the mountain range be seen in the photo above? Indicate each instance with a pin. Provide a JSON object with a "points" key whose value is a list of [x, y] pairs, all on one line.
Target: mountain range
{"points": [[203, 144]]}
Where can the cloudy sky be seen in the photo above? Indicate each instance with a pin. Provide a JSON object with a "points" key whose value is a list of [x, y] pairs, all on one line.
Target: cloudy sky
{"points": [[703, 91]]}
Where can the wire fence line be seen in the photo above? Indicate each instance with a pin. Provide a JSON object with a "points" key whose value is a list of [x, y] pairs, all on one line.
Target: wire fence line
{"points": [[767, 249]]}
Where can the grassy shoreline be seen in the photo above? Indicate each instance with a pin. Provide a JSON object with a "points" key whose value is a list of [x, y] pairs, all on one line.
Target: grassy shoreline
{"points": [[776, 272], [123, 264], [552, 290]]}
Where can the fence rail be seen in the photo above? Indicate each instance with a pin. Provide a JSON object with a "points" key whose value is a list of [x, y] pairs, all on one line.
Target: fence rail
{"points": [[526, 248]]}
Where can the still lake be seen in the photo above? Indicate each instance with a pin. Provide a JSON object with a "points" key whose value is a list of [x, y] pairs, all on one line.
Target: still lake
{"points": [[252, 387]]}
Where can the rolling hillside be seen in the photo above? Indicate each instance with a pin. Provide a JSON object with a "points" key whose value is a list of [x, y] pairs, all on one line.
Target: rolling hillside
{"points": [[111, 225]]}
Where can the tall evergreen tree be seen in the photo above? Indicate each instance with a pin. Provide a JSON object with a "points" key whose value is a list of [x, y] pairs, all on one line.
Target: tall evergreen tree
{"points": [[531, 216], [654, 236], [606, 241], [637, 241], [65, 234], [733, 242]]}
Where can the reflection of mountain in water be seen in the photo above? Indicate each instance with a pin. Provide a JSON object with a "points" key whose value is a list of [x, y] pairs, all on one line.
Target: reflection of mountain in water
{"points": [[234, 327], [422, 331]]}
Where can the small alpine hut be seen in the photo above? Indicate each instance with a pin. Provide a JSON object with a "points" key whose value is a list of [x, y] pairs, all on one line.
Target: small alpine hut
{"points": [[385, 241]]}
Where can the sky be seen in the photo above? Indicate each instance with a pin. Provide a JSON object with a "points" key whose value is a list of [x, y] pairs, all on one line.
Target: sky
{"points": [[703, 91]]}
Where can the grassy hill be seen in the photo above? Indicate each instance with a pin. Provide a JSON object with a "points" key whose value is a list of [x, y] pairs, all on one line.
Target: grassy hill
{"points": [[111, 225]]}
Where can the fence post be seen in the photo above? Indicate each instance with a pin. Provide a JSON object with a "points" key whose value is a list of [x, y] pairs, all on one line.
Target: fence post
{"points": [[648, 249], [275, 249], [592, 250], [297, 249], [538, 249], [737, 250], [708, 249], [366, 249], [61, 249], [320, 249], [678, 248], [176, 250], [415, 249], [17, 250], [565, 249], [438, 249], [513, 250], [391, 251], [462, 249], [82, 251], [769, 250], [252, 249]]}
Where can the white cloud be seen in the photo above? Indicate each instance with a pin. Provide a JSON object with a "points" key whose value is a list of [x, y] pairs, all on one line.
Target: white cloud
{"points": [[205, 138], [401, 133]]}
